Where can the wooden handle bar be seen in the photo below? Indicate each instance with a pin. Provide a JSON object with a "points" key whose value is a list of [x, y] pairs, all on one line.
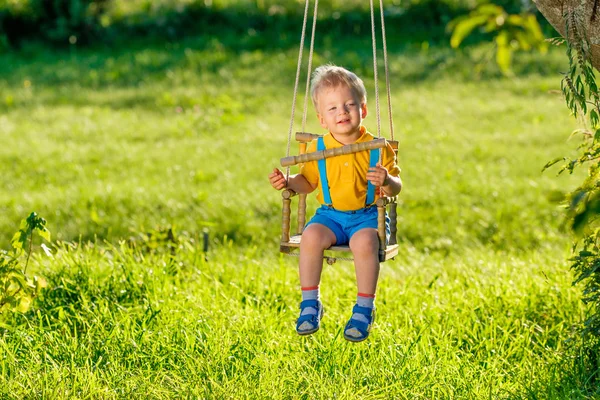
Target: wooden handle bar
{"points": [[337, 151], [306, 137]]}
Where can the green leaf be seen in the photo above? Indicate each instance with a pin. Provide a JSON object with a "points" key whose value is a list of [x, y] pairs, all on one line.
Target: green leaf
{"points": [[9, 302], [40, 283], [491, 25], [489, 10], [579, 222], [20, 280], [556, 196], [594, 120], [551, 163], [502, 39], [516, 20], [19, 240], [24, 304], [45, 233], [534, 28], [503, 52], [464, 28], [524, 41]]}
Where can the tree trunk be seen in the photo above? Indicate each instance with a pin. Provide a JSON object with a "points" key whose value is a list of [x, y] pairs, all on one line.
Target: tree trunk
{"points": [[584, 22]]}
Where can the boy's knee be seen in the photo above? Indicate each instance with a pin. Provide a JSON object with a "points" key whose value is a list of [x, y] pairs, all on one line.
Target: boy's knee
{"points": [[364, 242], [317, 237]]}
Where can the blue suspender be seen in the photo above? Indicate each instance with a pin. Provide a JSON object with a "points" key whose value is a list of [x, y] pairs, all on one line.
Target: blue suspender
{"points": [[323, 174], [373, 159]]}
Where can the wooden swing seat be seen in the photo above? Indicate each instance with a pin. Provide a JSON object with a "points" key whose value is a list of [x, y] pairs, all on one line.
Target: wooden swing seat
{"points": [[290, 243], [390, 251]]}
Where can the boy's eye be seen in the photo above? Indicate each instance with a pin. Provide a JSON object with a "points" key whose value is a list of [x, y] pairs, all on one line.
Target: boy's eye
{"points": [[332, 109]]}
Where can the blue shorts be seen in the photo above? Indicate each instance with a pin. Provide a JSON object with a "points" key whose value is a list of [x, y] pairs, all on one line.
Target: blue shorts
{"points": [[344, 224]]}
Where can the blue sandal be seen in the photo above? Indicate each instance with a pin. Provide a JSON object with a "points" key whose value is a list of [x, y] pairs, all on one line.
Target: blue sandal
{"points": [[357, 331], [309, 323]]}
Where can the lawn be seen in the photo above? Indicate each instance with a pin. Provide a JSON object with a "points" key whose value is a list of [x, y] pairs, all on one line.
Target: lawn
{"points": [[116, 146]]}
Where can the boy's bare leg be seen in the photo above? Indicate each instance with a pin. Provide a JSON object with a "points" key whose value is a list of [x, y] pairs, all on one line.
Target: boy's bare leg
{"points": [[315, 239], [365, 246], [365, 249]]}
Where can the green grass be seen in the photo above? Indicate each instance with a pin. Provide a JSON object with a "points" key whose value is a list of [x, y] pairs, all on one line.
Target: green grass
{"points": [[123, 324], [108, 143], [111, 145]]}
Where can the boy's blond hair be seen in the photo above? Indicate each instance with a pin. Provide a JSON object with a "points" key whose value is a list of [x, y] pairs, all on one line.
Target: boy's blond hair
{"points": [[331, 76]]}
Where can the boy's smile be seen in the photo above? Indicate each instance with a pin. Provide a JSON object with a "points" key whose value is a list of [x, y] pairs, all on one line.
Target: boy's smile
{"points": [[341, 111]]}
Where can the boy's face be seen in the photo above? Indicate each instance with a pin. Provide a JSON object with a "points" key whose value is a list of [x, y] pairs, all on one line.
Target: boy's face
{"points": [[341, 111]]}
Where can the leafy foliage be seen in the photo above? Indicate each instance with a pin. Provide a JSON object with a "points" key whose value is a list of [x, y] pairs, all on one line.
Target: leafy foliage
{"points": [[69, 22], [511, 32], [17, 289], [582, 96], [61, 21]]}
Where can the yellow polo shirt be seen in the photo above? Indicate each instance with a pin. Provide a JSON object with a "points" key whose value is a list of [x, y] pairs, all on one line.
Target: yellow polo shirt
{"points": [[347, 174]]}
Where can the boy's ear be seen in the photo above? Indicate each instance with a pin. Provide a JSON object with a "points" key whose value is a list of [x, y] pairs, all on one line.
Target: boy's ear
{"points": [[363, 109], [322, 121]]}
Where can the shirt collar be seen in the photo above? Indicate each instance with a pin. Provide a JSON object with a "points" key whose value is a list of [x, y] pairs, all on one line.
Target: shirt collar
{"points": [[330, 141]]}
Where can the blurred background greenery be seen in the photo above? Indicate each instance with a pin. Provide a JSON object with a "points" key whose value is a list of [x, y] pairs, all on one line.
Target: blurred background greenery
{"points": [[64, 22]]}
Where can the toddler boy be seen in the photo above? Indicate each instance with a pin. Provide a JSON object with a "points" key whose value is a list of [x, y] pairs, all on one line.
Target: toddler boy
{"points": [[349, 188]]}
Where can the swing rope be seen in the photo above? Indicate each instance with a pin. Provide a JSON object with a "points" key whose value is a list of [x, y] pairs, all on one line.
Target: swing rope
{"points": [[374, 45], [310, 59], [309, 69], [387, 73], [302, 36]]}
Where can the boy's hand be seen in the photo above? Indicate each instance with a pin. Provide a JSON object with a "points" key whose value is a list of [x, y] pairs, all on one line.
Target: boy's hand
{"points": [[277, 179], [378, 176]]}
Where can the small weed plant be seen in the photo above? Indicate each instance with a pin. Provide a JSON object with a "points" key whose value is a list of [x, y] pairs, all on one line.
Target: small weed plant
{"points": [[17, 288]]}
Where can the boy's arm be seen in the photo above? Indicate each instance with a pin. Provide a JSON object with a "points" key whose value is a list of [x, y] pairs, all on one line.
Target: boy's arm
{"points": [[392, 185], [298, 183]]}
